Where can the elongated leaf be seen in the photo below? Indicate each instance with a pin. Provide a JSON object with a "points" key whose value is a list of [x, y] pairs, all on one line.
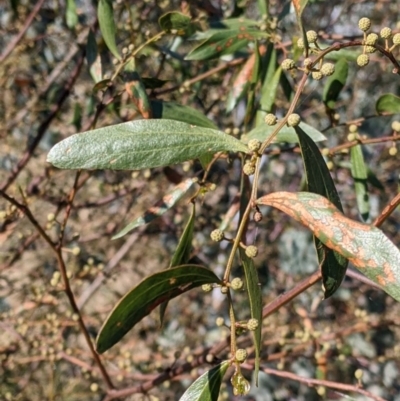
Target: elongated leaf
{"points": [[136, 90], [105, 14], [174, 20], [146, 296], [263, 8], [182, 253], [388, 104], [360, 176], [364, 245], [240, 84], [233, 23], [286, 134], [224, 42], [255, 298], [332, 264], [162, 206], [93, 58], [299, 6], [335, 83], [178, 112], [207, 386], [140, 144], [267, 101], [71, 17]]}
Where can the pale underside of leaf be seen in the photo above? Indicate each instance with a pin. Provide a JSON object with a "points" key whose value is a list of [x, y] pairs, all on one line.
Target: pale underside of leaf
{"points": [[140, 144]]}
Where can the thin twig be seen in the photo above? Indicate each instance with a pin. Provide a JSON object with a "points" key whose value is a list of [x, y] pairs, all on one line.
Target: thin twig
{"points": [[44, 126], [11, 46]]}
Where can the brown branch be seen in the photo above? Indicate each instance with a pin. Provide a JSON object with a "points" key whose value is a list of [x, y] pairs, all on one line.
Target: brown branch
{"points": [[44, 126], [11, 46], [315, 382], [67, 288]]}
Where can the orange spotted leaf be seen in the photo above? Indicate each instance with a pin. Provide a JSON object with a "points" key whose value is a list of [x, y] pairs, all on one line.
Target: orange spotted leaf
{"points": [[366, 246]]}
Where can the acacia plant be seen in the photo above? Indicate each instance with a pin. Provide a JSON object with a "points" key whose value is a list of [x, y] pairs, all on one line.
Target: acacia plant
{"points": [[270, 83]]}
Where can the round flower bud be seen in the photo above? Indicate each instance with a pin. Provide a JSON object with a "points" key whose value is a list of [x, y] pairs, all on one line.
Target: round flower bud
{"points": [[358, 374], [288, 64], [251, 251], [254, 145], [351, 137], [307, 62], [363, 60], [396, 39], [217, 235], [293, 120], [353, 128], [270, 119], [370, 49], [224, 289], [386, 32], [396, 126], [237, 283], [371, 39], [257, 216], [252, 324], [317, 75], [327, 69], [300, 43], [206, 287], [364, 24], [325, 152], [393, 151], [241, 355], [219, 321], [312, 36], [249, 168]]}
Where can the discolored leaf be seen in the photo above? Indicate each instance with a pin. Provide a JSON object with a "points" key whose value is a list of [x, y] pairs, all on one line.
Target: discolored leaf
{"points": [[335, 83], [136, 90], [179, 112], [105, 15], [388, 104], [146, 296], [299, 6], [255, 298], [224, 42], [162, 206], [240, 84], [207, 386], [360, 176], [182, 253], [93, 58], [364, 245], [332, 264], [286, 134], [140, 144], [175, 21]]}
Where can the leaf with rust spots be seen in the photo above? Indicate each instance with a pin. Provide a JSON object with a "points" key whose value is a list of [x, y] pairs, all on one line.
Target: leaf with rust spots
{"points": [[167, 202], [366, 246], [146, 296]]}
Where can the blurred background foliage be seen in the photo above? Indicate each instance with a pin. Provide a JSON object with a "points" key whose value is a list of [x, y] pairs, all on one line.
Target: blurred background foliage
{"points": [[42, 352]]}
